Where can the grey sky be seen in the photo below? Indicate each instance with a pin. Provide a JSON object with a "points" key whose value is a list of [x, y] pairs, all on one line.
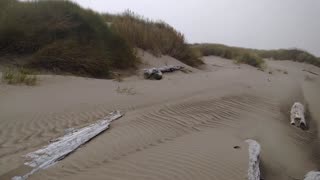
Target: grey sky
{"points": [[248, 23]]}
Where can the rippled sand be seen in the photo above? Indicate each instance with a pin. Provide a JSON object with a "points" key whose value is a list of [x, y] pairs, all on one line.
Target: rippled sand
{"points": [[182, 127]]}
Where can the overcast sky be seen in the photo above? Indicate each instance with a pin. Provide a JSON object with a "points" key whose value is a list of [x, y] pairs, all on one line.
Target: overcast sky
{"points": [[248, 23]]}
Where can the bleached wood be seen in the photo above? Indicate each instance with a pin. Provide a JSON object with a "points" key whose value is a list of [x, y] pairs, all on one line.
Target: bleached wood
{"points": [[61, 147], [157, 72], [312, 175], [153, 73], [311, 72], [254, 161], [171, 68], [297, 115]]}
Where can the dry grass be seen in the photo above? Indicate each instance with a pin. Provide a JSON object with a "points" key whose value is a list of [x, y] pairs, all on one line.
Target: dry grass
{"points": [[157, 37], [118, 77], [18, 76], [63, 38]]}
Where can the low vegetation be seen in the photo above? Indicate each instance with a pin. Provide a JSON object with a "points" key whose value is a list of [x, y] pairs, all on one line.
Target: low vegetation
{"points": [[62, 37], [250, 59], [18, 76], [240, 55], [255, 57], [289, 54], [157, 37]]}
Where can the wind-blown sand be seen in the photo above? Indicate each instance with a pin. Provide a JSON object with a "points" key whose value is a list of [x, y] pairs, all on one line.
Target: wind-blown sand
{"points": [[182, 127]]}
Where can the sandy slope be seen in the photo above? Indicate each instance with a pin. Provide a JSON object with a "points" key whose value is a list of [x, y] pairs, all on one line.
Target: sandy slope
{"points": [[182, 127]]}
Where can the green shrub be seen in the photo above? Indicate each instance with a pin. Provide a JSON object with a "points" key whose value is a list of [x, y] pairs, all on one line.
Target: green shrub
{"points": [[63, 36], [159, 38], [18, 76]]}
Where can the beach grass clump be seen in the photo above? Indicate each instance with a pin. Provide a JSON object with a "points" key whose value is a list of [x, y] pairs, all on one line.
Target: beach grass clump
{"points": [[157, 37], [16, 76], [250, 59], [60, 36], [66, 57]]}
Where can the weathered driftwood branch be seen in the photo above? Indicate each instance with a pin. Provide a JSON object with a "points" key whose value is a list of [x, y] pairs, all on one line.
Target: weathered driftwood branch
{"points": [[254, 161], [61, 147], [297, 115], [156, 73], [171, 68], [311, 72], [312, 175]]}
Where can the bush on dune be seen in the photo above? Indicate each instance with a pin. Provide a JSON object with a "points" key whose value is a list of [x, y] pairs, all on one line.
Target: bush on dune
{"points": [[159, 38], [62, 37]]}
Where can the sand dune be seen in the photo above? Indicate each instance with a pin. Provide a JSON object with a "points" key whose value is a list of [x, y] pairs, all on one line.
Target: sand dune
{"points": [[182, 127]]}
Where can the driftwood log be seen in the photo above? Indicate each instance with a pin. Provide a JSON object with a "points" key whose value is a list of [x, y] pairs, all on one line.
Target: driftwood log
{"points": [[297, 115], [156, 73], [311, 72], [153, 73], [61, 147], [312, 175], [254, 161], [171, 68]]}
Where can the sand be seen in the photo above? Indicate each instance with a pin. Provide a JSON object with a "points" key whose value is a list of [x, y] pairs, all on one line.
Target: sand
{"points": [[182, 127]]}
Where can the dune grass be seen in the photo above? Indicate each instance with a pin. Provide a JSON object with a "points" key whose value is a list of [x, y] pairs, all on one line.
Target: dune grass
{"points": [[255, 57], [157, 37], [16, 76], [62, 37], [240, 55], [290, 54]]}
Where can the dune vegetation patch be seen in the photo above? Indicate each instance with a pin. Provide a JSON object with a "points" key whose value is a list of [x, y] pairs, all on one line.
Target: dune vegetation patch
{"points": [[15, 76], [62, 37], [157, 37], [290, 54], [240, 55], [255, 57]]}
